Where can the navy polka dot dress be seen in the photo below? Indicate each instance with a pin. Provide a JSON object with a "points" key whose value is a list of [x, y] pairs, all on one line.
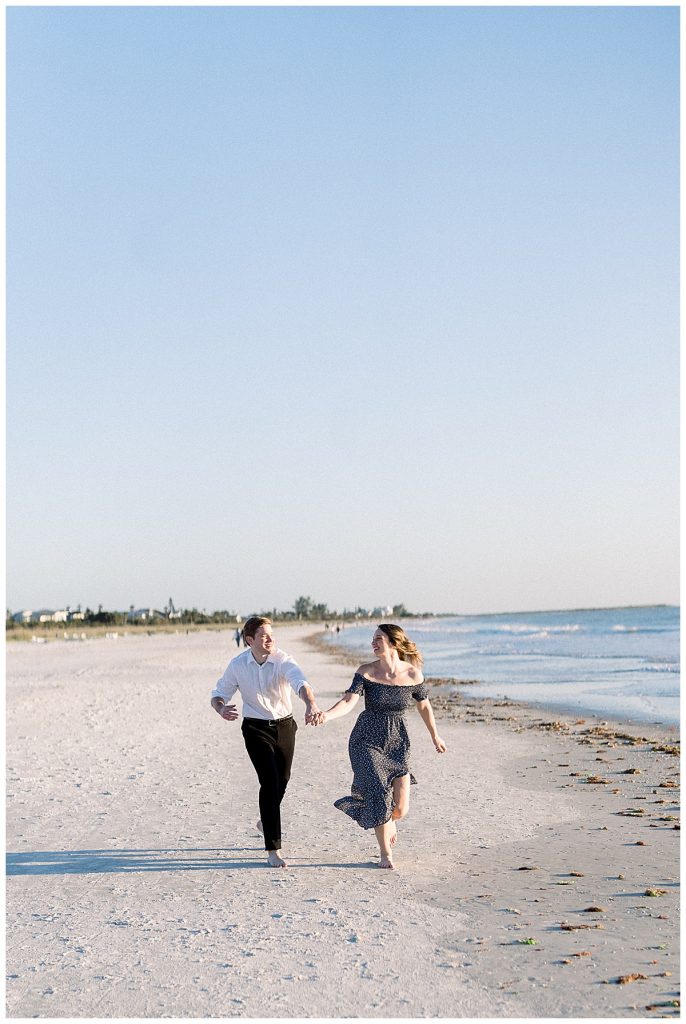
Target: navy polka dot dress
{"points": [[379, 749]]}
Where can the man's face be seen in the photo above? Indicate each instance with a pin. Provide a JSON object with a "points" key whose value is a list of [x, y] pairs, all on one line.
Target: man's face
{"points": [[262, 643]]}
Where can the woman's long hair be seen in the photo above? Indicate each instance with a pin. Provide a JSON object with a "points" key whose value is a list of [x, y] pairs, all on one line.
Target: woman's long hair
{"points": [[406, 648]]}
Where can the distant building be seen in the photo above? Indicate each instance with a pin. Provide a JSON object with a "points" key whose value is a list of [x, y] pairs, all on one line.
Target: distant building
{"points": [[42, 615], [145, 615], [386, 610], [170, 612]]}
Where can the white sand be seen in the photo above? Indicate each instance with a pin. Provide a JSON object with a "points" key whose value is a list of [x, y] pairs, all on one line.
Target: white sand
{"points": [[138, 888]]}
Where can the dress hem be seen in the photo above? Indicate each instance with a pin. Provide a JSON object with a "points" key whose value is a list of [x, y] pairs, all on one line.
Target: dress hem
{"points": [[357, 822]]}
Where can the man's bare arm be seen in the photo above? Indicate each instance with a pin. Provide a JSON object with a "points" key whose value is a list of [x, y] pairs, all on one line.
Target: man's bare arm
{"points": [[312, 712], [227, 711]]}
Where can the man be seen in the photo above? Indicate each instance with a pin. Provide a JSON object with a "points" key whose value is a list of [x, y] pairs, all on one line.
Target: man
{"points": [[266, 678]]}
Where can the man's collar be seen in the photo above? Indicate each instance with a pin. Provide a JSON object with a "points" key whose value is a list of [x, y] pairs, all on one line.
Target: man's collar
{"points": [[270, 657]]}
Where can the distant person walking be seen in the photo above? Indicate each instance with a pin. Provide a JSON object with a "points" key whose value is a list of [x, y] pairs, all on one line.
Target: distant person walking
{"points": [[379, 744], [237, 637], [266, 678]]}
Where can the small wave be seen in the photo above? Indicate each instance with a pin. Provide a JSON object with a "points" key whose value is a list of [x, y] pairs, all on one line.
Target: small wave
{"points": [[526, 630], [639, 670], [644, 629]]}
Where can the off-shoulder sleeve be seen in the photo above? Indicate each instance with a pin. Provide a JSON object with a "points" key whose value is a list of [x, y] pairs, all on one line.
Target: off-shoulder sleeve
{"points": [[357, 685], [421, 692]]}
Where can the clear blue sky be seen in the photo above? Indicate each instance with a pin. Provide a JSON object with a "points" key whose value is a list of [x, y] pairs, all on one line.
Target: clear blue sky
{"points": [[370, 304]]}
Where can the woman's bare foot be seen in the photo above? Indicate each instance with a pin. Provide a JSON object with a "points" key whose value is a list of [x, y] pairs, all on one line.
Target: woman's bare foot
{"points": [[275, 860], [386, 836]]}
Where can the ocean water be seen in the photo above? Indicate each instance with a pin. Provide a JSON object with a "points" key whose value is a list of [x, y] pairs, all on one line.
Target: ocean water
{"points": [[620, 663]]}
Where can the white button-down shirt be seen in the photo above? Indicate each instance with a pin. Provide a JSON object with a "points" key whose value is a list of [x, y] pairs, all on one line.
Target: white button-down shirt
{"points": [[266, 689]]}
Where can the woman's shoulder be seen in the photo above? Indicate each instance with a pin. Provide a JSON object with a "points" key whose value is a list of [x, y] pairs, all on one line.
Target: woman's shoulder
{"points": [[416, 674], [367, 669]]}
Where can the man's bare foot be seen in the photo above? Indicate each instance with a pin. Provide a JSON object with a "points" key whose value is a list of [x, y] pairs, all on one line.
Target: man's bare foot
{"points": [[386, 862], [275, 860], [258, 826]]}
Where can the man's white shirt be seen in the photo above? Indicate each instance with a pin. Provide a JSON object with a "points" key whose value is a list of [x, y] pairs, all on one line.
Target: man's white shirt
{"points": [[267, 689]]}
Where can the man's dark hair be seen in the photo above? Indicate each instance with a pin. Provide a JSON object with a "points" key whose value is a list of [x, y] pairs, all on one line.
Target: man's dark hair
{"points": [[251, 625]]}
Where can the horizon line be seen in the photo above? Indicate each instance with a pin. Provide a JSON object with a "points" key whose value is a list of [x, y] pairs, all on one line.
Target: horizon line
{"points": [[409, 615]]}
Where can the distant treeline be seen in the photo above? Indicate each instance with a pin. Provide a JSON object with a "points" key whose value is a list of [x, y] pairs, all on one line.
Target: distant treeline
{"points": [[187, 616], [304, 608]]}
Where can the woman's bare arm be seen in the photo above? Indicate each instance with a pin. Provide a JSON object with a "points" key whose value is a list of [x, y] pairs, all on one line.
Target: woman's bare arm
{"points": [[426, 711], [340, 708]]}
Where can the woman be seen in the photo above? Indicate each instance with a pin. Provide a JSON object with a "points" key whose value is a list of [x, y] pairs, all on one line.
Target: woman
{"points": [[379, 745]]}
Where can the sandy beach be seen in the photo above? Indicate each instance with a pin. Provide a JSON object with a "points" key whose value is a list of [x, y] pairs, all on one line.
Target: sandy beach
{"points": [[537, 872]]}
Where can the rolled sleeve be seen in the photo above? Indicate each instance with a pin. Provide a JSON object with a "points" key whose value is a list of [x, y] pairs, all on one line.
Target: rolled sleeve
{"points": [[226, 686], [293, 674]]}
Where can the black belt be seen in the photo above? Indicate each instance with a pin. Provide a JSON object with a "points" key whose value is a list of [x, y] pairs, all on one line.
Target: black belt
{"points": [[268, 721]]}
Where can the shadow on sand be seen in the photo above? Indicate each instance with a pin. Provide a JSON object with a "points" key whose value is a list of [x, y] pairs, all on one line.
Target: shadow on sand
{"points": [[83, 862]]}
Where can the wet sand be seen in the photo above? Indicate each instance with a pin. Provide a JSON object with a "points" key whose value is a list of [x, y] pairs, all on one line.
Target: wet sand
{"points": [[537, 870]]}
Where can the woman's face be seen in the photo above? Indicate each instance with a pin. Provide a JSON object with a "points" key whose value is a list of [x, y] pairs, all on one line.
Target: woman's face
{"points": [[381, 644]]}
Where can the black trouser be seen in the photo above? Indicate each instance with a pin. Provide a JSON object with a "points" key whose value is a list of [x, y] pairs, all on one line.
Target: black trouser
{"points": [[270, 746]]}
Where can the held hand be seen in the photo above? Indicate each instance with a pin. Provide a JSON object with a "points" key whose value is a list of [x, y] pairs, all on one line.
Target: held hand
{"points": [[439, 745], [229, 713], [312, 714]]}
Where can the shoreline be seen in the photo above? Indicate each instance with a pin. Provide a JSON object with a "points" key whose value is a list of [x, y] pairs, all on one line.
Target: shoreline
{"points": [[451, 695]]}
